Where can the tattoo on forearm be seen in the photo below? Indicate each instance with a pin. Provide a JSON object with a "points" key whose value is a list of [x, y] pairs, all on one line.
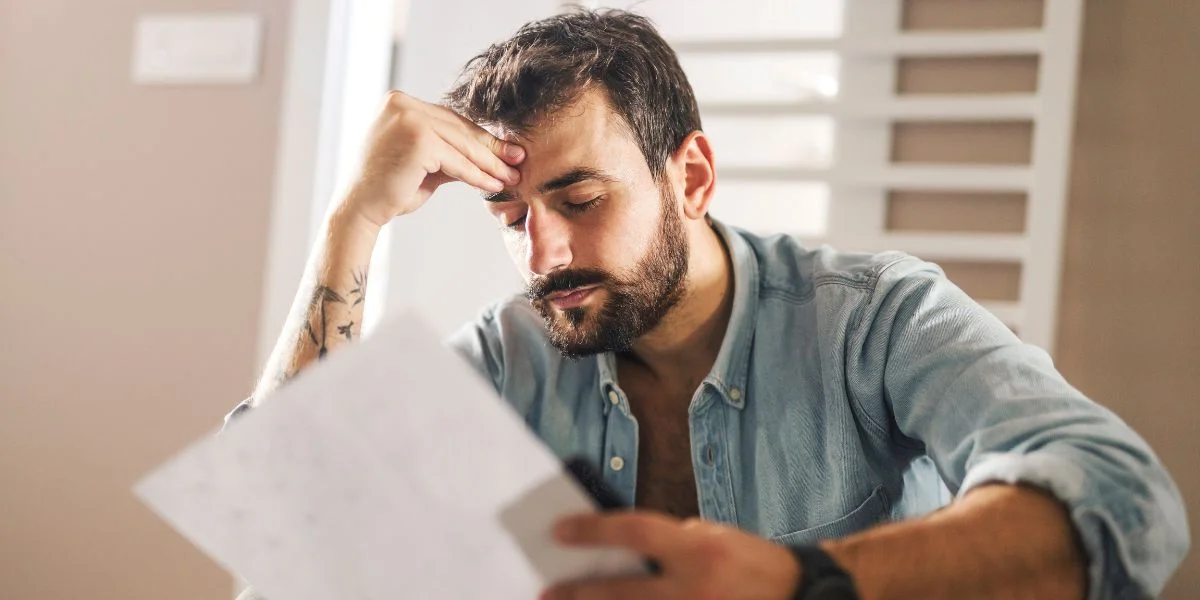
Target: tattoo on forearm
{"points": [[360, 287], [316, 326], [321, 297]]}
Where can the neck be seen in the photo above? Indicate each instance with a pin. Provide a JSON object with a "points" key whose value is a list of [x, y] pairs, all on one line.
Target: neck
{"points": [[681, 350]]}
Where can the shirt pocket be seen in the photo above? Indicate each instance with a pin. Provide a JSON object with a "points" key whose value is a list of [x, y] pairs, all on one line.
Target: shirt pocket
{"points": [[872, 511]]}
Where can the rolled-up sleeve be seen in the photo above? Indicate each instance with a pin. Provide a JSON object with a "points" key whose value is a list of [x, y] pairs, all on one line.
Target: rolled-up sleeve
{"points": [[988, 408]]}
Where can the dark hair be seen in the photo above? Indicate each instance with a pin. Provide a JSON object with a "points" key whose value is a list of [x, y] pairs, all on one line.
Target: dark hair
{"points": [[547, 64]]}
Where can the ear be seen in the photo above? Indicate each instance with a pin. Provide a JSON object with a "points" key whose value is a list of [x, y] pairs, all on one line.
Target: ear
{"points": [[696, 174]]}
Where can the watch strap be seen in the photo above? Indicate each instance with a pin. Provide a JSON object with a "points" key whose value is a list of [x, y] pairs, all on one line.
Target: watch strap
{"points": [[820, 576]]}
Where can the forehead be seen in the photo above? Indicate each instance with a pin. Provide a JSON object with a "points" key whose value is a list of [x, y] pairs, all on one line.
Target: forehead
{"points": [[585, 133]]}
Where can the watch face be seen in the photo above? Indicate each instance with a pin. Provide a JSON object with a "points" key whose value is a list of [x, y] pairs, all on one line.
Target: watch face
{"points": [[832, 589]]}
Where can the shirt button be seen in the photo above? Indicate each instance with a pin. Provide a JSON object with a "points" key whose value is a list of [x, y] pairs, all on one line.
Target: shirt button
{"points": [[617, 463], [710, 455], [612, 397], [735, 394]]}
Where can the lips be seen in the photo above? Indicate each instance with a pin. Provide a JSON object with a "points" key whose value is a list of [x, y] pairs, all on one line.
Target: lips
{"points": [[571, 298]]}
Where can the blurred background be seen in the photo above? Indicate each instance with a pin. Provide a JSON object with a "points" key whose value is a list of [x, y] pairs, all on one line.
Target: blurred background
{"points": [[164, 163]]}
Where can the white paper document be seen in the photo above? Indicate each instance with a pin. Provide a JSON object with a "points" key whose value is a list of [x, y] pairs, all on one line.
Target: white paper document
{"points": [[389, 471]]}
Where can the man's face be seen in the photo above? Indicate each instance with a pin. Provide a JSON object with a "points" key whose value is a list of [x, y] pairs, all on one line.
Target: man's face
{"points": [[600, 244]]}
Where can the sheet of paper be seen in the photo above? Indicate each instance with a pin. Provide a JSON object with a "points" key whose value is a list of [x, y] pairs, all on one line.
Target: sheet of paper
{"points": [[389, 471]]}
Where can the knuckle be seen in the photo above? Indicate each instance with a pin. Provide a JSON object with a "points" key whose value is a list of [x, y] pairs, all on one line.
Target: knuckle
{"points": [[406, 127], [416, 135], [397, 98], [409, 120]]}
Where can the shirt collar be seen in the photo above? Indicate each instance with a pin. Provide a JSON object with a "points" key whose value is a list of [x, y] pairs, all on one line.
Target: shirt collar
{"points": [[729, 372]]}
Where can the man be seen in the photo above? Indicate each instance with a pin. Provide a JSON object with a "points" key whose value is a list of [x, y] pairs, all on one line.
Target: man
{"points": [[767, 407]]}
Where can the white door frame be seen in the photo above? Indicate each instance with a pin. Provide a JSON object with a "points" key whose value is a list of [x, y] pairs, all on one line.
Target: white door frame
{"points": [[338, 68], [329, 76]]}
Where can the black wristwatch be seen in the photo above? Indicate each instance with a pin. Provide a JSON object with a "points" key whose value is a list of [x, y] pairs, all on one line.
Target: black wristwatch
{"points": [[821, 578]]}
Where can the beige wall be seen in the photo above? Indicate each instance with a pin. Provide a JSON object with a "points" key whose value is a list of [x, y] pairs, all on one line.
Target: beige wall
{"points": [[1129, 334], [132, 224]]}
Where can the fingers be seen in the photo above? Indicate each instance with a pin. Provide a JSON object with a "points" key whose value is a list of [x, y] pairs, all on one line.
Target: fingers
{"points": [[481, 156], [645, 533], [461, 149], [610, 589], [491, 154], [454, 164], [511, 153]]}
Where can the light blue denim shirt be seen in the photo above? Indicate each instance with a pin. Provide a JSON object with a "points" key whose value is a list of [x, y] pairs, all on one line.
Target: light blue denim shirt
{"points": [[851, 390], [854, 389]]}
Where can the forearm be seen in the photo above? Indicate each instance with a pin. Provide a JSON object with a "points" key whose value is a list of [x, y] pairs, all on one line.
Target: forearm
{"points": [[999, 541], [328, 308]]}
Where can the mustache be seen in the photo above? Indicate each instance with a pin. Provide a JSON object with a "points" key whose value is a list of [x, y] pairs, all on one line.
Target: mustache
{"points": [[561, 281]]}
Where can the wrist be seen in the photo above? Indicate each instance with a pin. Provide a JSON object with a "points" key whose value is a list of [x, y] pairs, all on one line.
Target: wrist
{"points": [[821, 577], [795, 574], [347, 221]]}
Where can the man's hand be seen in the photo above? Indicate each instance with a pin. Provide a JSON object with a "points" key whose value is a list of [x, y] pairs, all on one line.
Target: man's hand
{"points": [[699, 559], [414, 147]]}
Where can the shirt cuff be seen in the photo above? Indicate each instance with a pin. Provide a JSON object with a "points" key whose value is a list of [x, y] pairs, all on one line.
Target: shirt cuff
{"points": [[1055, 474], [1068, 483]]}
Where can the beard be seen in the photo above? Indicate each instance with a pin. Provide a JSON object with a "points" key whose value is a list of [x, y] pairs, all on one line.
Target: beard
{"points": [[636, 302]]}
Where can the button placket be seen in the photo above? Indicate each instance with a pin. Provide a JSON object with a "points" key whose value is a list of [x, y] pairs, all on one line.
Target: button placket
{"points": [[701, 441], [620, 448], [712, 474]]}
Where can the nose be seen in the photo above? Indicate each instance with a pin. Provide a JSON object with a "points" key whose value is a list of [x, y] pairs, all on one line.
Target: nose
{"points": [[548, 246]]}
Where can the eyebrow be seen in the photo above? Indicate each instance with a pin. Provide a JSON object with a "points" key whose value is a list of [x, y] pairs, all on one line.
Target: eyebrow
{"points": [[566, 180]]}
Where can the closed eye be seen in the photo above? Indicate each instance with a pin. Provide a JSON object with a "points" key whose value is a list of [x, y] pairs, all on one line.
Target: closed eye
{"points": [[574, 208], [582, 207], [516, 225]]}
